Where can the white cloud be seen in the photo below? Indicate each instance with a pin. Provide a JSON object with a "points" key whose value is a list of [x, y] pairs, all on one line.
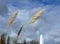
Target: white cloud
{"points": [[28, 39], [57, 40], [13, 34]]}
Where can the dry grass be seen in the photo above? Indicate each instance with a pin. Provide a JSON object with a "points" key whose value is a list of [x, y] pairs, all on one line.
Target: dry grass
{"points": [[37, 15], [3, 37], [12, 19], [2, 41]]}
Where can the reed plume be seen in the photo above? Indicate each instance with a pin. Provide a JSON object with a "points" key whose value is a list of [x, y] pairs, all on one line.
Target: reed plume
{"points": [[16, 39], [12, 19], [37, 15]]}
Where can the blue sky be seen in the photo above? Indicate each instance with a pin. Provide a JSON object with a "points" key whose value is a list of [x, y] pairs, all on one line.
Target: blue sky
{"points": [[48, 24], [32, 3]]}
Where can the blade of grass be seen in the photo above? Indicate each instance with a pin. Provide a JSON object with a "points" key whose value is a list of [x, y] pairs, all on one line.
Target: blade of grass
{"points": [[16, 39], [8, 40], [3, 39]]}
